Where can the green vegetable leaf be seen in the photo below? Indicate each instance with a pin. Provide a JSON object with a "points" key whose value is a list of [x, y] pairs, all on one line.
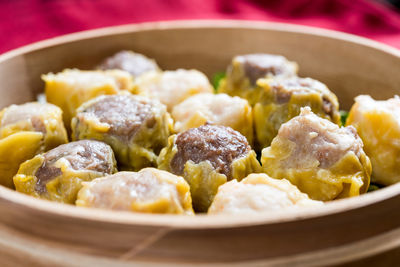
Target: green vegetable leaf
{"points": [[374, 187], [343, 116], [217, 79]]}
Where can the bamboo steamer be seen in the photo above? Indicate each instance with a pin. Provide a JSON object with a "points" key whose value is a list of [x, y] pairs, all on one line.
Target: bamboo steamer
{"points": [[40, 233]]}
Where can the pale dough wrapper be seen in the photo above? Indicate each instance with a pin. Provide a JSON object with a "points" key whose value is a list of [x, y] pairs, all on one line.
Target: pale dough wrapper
{"points": [[258, 193], [220, 109], [150, 191], [172, 87]]}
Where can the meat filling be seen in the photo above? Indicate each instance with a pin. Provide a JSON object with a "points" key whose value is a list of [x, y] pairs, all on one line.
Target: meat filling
{"points": [[319, 139], [123, 113], [262, 65], [134, 63], [218, 144]]}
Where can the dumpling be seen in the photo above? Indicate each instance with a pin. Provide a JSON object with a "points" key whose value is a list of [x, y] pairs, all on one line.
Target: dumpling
{"points": [[258, 193], [58, 174], [134, 63], [172, 87], [26, 130], [207, 157], [320, 158], [149, 191], [378, 124], [219, 109], [281, 99], [136, 127], [70, 88], [245, 70]]}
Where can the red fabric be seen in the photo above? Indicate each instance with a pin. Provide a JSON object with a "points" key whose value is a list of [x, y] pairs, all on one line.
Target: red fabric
{"points": [[27, 21]]}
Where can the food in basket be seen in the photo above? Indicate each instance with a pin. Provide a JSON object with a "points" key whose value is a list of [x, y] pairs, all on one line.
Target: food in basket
{"points": [[322, 159], [378, 124], [71, 88], [281, 99], [203, 143], [220, 109], [58, 174], [26, 130], [150, 190], [136, 127], [134, 63], [172, 87], [207, 157], [244, 71], [258, 193]]}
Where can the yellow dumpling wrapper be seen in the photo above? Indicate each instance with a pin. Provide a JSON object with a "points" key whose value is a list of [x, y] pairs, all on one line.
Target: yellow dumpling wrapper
{"points": [[378, 124], [70, 88], [58, 174], [27, 130]]}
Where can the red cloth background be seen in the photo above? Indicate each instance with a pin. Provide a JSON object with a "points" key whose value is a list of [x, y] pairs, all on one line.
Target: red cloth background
{"points": [[27, 21]]}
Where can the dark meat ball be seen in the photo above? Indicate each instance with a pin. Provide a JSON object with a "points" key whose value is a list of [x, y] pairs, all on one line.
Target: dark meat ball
{"points": [[207, 157], [134, 63], [218, 144], [245, 70]]}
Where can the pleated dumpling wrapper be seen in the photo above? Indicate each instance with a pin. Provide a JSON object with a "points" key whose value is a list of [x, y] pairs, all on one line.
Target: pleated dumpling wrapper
{"points": [[172, 87], [322, 159], [134, 63], [27, 130], [259, 193], [136, 127], [58, 174], [219, 109], [149, 191], [244, 71], [378, 124], [281, 99], [207, 157], [70, 88]]}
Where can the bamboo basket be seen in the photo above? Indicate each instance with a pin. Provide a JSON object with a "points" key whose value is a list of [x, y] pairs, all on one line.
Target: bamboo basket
{"points": [[35, 232]]}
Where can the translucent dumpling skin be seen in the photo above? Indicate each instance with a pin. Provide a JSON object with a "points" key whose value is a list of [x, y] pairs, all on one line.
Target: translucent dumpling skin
{"points": [[258, 193], [220, 109], [136, 127], [245, 70], [172, 87], [148, 191], [26, 130], [207, 157], [58, 174], [321, 159], [71, 87], [281, 99], [378, 124]]}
